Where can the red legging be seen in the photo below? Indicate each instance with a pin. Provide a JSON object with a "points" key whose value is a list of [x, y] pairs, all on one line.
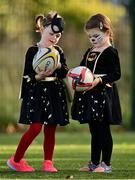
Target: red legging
{"points": [[29, 136]]}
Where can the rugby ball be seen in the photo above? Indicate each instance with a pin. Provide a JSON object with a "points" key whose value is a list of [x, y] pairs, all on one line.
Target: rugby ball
{"points": [[80, 78], [46, 59]]}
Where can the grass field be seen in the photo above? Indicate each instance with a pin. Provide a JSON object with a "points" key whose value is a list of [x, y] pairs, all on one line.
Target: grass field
{"points": [[71, 152]]}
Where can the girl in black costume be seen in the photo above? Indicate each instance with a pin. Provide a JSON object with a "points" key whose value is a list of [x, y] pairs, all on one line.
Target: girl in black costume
{"points": [[99, 106], [43, 96]]}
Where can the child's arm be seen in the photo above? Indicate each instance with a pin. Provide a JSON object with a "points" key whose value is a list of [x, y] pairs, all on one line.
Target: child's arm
{"points": [[63, 69]]}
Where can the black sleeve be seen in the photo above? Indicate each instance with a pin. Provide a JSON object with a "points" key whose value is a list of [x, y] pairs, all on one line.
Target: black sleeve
{"points": [[29, 73], [83, 61], [113, 66], [62, 72]]}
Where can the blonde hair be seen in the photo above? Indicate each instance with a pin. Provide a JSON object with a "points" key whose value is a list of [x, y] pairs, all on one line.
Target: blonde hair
{"points": [[42, 20]]}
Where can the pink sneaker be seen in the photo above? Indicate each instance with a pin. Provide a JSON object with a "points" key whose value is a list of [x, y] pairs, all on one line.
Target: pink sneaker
{"points": [[21, 166], [48, 166]]}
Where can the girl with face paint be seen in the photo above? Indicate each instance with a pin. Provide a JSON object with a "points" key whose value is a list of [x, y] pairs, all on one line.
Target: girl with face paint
{"points": [[93, 106], [43, 97]]}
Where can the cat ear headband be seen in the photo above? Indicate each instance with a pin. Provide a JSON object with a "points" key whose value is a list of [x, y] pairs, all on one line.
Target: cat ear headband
{"points": [[57, 24]]}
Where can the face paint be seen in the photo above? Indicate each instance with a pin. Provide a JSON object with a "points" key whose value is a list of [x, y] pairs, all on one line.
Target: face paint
{"points": [[96, 37]]}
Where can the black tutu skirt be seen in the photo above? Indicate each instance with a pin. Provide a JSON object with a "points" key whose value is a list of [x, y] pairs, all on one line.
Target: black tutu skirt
{"points": [[88, 106], [99, 104], [45, 103]]}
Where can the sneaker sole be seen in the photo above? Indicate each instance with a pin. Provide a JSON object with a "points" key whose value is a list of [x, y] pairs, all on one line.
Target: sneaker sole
{"points": [[50, 171], [10, 166], [102, 170], [13, 168]]}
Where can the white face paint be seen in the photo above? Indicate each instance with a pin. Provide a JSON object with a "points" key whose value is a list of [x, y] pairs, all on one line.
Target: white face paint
{"points": [[97, 38]]}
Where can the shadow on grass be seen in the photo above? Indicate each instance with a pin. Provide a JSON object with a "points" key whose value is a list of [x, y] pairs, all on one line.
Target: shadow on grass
{"points": [[67, 174]]}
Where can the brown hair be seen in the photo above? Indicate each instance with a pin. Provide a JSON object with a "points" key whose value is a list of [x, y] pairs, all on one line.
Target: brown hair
{"points": [[100, 21], [42, 20]]}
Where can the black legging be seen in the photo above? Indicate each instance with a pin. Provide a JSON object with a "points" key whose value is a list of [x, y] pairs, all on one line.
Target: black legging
{"points": [[101, 142]]}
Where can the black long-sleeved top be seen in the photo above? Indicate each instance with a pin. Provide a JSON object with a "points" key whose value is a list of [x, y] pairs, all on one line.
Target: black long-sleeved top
{"points": [[102, 102], [108, 63], [28, 69]]}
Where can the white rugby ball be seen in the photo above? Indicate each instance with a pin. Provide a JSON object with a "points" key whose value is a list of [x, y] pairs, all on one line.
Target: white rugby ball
{"points": [[80, 78]]}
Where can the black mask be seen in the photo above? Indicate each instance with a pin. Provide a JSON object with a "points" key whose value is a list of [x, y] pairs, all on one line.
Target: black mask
{"points": [[57, 24]]}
